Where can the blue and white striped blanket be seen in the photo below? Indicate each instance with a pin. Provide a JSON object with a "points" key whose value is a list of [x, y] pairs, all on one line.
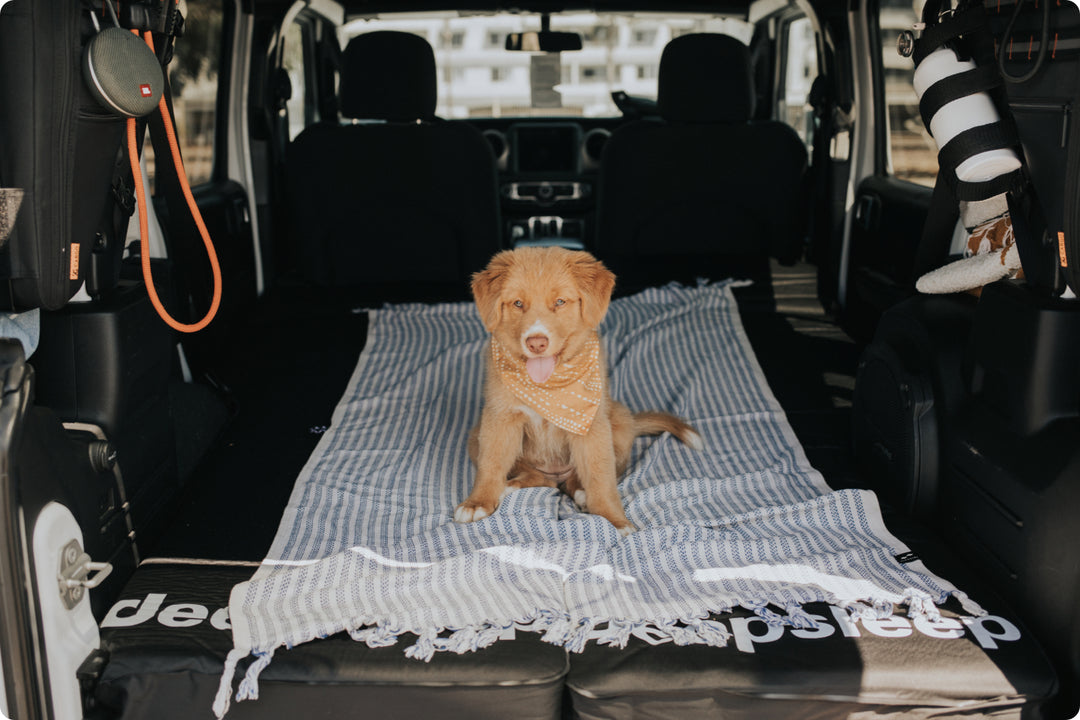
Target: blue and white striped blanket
{"points": [[367, 544]]}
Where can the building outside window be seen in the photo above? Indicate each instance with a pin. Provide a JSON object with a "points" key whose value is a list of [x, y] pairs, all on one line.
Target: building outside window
{"points": [[594, 73], [480, 78], [643, 37], [454, 39], [647, 72]]}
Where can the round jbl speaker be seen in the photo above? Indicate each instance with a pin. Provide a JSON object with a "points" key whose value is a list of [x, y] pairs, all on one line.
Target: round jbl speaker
{"points": [[123, 73]]}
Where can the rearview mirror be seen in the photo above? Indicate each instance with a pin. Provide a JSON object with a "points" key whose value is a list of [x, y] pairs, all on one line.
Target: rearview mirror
{"points": [[543, 41]]}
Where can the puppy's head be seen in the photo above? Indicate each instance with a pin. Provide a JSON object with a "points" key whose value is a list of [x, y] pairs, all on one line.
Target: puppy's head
{"points": [[543, 304]]}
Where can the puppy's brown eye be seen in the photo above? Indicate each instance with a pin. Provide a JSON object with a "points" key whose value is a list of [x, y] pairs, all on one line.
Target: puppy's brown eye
{"points": [[559, 302], [519, 304]]}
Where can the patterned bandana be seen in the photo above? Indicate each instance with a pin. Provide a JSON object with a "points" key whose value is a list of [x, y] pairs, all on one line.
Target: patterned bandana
{"points": [[569, 398]]}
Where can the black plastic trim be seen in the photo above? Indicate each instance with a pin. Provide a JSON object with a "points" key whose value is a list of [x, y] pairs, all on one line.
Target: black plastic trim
{"points": [[22, 685]]}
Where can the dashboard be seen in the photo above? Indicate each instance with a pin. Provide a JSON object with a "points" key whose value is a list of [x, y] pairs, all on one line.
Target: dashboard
{"points": [[547, 177]]}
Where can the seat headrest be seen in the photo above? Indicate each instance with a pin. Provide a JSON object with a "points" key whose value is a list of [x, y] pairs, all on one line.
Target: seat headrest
{"points": [[705, 78], [388, 75]]}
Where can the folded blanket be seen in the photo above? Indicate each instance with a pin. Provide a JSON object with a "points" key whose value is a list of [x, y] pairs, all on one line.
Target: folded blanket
{"points": [[367, 543]]}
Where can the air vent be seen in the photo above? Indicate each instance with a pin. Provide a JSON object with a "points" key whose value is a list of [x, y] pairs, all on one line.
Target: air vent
{"points": [[499, 147], [592, 146]]}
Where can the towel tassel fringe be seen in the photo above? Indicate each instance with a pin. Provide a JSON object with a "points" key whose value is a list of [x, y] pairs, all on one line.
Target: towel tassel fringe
{"points": [[799, 619], [618, 633], [858, 611], [579, 635], [762, 611], [424, 649], [711, 632], [249, 686], [557, 631], [221, 700], [466, 639], [921, 606], [969, 606], [377, 636]]}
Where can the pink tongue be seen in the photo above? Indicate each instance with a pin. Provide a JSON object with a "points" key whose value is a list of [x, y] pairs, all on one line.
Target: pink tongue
{"points": [[540, 369]]}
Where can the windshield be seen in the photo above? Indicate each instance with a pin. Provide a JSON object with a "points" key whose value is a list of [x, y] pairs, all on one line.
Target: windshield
{"points": [[477, 77]]}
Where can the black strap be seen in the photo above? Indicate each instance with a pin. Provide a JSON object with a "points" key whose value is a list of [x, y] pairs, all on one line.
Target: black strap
{"points": [[105, 262], [1029, 228], [954, 87], [974, 191], [976, 140], [935, 36], [938, 228], [1068, 243]]}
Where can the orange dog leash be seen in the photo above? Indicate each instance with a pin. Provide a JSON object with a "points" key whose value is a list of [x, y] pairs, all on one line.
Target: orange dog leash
{"points": [[144, 226]]}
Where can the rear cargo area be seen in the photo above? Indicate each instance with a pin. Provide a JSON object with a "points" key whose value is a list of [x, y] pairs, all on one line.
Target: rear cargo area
{"points": [[871, 513], [289, 365], [168, 634]]}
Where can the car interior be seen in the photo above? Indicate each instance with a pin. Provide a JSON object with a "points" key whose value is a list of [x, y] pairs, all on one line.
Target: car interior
{"points": [[340, 158]]}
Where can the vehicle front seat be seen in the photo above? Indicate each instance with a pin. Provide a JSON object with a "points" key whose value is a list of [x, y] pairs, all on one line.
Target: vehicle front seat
{"points": [[703, 191], [397, 205]]}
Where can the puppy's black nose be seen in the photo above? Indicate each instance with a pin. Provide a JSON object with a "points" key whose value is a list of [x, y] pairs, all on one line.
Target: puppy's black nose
{"points": [[536, 343]]}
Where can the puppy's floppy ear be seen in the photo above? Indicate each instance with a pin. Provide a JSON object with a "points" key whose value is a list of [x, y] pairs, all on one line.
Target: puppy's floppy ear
{"points": [[487, 286], [595, 283]]}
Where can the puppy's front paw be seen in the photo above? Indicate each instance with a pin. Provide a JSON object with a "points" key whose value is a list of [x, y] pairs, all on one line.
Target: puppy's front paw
{"points": [[576, 492], [473, 510], [628, 529]]}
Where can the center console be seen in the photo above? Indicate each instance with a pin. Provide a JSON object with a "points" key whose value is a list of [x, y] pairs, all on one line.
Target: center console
{"points": [[548, 181]]}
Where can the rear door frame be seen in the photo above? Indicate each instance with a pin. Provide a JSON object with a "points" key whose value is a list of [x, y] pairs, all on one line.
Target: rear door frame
{"points": [[20, 647], [868, 252]]}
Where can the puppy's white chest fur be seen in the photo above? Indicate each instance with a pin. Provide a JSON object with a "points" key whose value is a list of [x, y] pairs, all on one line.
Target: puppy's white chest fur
{"points": [[540, 431], [534, 417], [544, 444]]}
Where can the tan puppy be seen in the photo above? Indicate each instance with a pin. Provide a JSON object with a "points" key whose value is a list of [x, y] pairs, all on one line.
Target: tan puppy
{"points": [[548, 419]]}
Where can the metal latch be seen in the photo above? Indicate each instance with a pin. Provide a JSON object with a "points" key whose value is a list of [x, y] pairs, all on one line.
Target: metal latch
{"points": [[74, 576]]}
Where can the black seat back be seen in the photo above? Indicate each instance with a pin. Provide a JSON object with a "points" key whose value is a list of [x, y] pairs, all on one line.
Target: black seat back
{"points": [[702, 191], [397, 205]]}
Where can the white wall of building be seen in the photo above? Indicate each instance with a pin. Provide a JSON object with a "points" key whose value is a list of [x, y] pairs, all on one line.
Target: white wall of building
{"points": [[478, 77]]}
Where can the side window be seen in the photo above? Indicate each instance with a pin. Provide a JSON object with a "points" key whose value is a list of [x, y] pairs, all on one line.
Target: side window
{"points": [[193, 77], [912, 151], [800, 69]]}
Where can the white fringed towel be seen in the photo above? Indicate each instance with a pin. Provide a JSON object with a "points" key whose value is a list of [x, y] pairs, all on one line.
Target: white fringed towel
{"points": [[367, 544]]}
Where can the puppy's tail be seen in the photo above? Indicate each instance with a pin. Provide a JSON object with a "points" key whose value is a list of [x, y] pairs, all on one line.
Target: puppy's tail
{"points": [[651, 422]]}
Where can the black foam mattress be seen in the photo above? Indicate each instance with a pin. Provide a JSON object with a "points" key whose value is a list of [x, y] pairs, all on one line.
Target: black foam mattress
{"points": [[168, 635]]}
